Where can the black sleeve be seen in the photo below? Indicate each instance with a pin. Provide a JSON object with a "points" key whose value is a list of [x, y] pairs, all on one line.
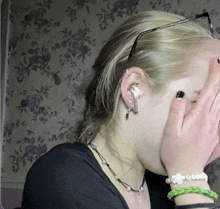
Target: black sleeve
{"points": [[61, 179], [158, 191]]}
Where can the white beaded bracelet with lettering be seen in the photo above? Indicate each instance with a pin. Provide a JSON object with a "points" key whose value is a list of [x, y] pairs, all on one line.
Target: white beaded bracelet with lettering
{"points": [[178, 178]]}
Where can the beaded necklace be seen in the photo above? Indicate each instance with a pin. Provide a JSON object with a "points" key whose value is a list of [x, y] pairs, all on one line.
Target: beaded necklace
{"points": [[117, 177]]}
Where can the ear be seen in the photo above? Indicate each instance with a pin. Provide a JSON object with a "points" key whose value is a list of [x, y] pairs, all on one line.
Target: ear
{"points": [[134, 76]]}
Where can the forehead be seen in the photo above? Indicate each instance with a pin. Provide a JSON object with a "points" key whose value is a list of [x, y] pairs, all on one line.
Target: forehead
{"points": [[199, 64], [197, 68]]}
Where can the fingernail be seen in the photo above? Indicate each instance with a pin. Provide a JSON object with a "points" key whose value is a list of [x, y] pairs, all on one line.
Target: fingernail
{"points": [[180, 94], [218, 61]]}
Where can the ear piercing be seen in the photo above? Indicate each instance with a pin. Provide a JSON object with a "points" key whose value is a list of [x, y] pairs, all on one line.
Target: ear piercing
{"points": [[136, 95], [127, 114]]}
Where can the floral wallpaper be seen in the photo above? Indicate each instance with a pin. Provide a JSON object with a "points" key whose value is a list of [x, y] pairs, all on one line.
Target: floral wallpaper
{"points": [[51, 47]]}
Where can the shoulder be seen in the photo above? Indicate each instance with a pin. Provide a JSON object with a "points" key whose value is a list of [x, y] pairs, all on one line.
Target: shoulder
{"points": [[67, 152], [68, 176], [65, 159], [55, 174]]}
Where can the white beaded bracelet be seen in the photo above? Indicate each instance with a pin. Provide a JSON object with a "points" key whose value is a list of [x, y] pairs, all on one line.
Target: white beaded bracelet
{"points": [[178, 178]]}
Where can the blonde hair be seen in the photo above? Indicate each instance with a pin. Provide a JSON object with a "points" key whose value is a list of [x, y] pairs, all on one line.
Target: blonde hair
{"points": [[163, 55]]}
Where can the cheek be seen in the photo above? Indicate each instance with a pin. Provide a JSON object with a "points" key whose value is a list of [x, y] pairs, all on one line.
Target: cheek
{"points": [[153, 127]]}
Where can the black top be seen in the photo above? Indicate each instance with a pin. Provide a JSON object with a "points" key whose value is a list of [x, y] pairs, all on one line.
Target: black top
{"points": [[69, 176]]}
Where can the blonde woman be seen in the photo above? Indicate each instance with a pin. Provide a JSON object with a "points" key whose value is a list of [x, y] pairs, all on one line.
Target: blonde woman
{"points": [[153, 104]]}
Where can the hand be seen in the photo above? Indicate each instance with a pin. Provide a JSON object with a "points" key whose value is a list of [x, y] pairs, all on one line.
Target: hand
{"points": [[189, 139]]}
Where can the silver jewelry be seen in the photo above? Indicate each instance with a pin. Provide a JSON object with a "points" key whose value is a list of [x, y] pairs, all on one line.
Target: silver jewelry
{"points": [[104, 162]]}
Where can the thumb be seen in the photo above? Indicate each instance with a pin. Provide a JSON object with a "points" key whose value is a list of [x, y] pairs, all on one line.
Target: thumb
{"points": [[176, 114]]}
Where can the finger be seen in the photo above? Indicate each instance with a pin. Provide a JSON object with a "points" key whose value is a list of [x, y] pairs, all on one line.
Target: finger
{"points": [[215, 105], [176, 114], [215, 108], [218, 118], [215, 114], [211, 87]]}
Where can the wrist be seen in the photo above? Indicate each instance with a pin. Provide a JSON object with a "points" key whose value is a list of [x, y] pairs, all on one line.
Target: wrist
{"points": [[201, 184], [192, 198], [179, 178], [184, 172]]}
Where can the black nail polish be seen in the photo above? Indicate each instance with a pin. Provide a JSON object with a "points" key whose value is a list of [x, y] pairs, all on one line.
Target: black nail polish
{"points": [[218, 61], [180, 94]]}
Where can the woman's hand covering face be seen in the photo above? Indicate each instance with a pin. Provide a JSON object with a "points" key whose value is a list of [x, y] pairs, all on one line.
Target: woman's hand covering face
{"points": [[191, 141]]}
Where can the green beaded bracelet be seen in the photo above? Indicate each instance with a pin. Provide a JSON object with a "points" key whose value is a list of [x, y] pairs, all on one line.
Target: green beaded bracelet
{"points": [[187, 190]]}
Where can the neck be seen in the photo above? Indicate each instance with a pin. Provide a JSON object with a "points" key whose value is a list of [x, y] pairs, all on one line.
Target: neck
{"points": [[119, 152]]}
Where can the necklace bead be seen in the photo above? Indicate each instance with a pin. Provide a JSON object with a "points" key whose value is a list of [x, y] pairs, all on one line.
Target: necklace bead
{"points": [[141, 189], [117, 177]]}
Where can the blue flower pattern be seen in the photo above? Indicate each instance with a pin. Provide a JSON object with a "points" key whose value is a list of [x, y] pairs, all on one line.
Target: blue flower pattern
{"points": [[83, 32], [36, 150], [12, 44], [120, 8], [8, 129], [30, 149], [32, 103]]}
